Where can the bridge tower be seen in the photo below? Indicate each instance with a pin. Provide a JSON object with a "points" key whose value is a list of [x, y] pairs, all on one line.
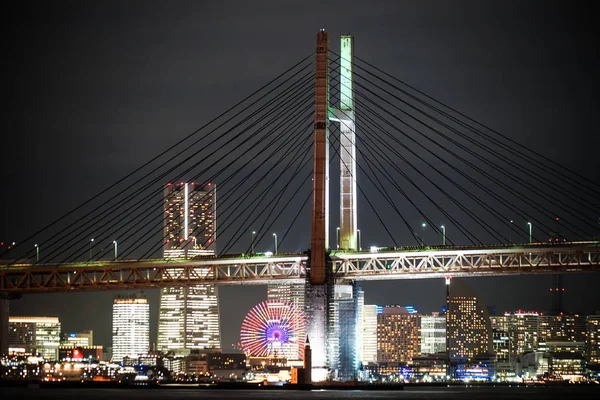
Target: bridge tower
{"points": [[332, 308], [317, 288], [344, 115]]}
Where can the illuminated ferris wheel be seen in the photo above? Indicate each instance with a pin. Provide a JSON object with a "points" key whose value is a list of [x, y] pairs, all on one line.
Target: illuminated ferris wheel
{"points": [[273, 329]]}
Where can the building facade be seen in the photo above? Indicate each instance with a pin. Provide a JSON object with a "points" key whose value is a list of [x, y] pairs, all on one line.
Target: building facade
{"points": [[76, 339], [562, 333], [33, 335], [433, 333], [592, 345], [189, 315], [130, 327], [345, 336], [468, 323], [398, 334], [369, 335]]}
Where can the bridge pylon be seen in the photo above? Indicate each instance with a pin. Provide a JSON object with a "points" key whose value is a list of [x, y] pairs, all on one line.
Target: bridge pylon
{"points": [[316, 303]]}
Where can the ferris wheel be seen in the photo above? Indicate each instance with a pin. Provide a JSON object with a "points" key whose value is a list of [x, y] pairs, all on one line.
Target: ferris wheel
{"points": [[272, 329]]}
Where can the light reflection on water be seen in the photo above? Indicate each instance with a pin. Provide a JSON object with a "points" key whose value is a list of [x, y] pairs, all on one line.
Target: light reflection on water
{"points": [[463, 393]]}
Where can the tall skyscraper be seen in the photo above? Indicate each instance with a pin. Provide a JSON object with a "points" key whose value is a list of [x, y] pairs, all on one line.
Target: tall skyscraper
{"points": [[190, 215], [398, 334], [130, 327], [433, 333], [189, 315], [369, 336], [468, 327], [35, 335], [289, 294]]}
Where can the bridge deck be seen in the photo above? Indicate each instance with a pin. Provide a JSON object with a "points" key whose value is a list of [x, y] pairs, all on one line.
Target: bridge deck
{"points": [[383, 264]]}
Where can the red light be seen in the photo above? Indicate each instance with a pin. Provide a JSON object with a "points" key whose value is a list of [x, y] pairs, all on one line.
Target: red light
{"points": [[1, 243], [8, 247], [563, 289], [208, 183], [169, 184]]}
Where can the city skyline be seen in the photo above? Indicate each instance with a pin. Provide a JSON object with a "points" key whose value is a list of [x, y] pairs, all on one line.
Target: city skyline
{"points": [[510, 94]]}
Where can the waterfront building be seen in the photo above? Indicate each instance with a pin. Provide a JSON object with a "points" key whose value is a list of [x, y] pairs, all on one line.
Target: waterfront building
{"points": [[130, 327], [189, 315], [345, 339], [468, 326], [562, 333], [398, 334], [433, 333], [592, 347], [33, 335], [79, 353], [369, 334]]}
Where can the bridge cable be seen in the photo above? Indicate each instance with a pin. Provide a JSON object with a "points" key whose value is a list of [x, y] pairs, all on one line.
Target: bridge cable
{"points": [[71, 212]]}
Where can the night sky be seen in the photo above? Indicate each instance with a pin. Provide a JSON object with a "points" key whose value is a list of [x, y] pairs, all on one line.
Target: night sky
{"points": [[93, 89]]}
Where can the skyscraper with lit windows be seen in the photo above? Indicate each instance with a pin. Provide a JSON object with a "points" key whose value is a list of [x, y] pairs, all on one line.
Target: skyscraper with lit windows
{"points": [[369, 336], [592, 348], [130, 327], [468, 323], [34, 335], [398, 334], [189, 315], [433, 333]]}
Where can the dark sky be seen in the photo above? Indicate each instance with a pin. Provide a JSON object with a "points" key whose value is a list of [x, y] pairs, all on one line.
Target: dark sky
{"points": [[92, 90]]}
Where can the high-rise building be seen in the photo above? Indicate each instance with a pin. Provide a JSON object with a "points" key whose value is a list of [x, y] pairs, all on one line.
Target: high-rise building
{"points": [[468, 323], [35, 335], [130, 327], [398, 334], [525, 325], [369, 336], [345, 336], [592, 344], [562, 333], [189, 315], [503, 341], [290, 294], [433, 333], [190, 215]]}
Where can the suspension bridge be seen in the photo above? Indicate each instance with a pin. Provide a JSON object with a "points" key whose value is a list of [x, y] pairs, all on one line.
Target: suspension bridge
{"points": [[416, 166]]}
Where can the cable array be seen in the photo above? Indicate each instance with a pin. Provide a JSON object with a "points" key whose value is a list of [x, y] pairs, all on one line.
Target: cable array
{"points": [[451, 169]]}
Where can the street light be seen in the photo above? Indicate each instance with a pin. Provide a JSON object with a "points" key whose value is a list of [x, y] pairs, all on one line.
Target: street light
{"points": [[252, 243], [116, 248], [443, 235], [359, 241], [423, 224], [37, 252], [91, 242], [337, 237], [510, 232], [275, 238], [530, 227]]}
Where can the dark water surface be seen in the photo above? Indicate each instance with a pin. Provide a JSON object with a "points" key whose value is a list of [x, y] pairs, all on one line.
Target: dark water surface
{"points": [[414, 393]]}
